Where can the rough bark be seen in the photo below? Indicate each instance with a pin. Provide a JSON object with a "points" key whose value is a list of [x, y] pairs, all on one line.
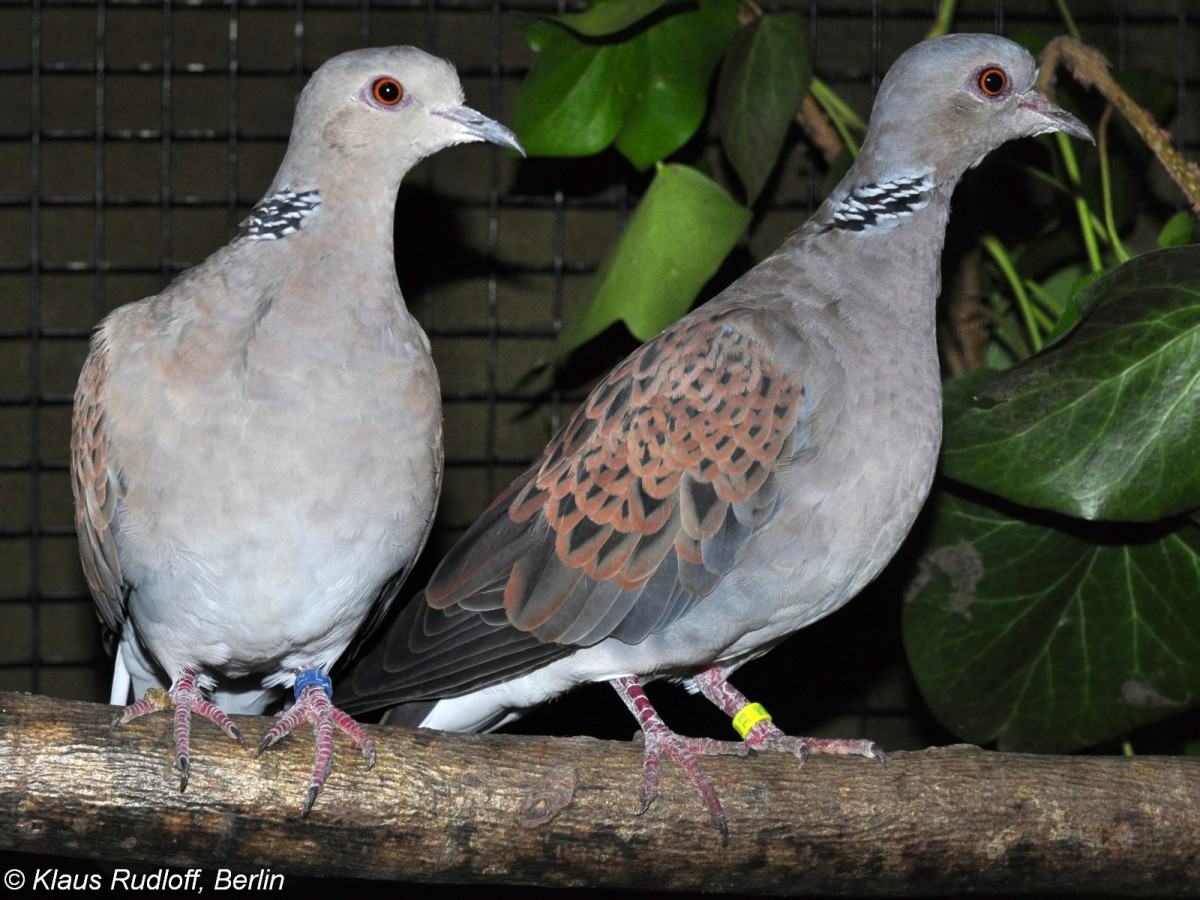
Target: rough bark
{"points": [[478, 808]]}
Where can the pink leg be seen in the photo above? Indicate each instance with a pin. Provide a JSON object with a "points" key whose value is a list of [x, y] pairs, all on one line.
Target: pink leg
{"points": [[764, 735], [313, 705], [185, 698], [660, 739]]}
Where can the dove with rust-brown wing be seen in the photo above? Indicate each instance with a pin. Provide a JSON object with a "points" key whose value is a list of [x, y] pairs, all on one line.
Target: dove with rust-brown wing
{"points": [[257, 450], [742, 474]]}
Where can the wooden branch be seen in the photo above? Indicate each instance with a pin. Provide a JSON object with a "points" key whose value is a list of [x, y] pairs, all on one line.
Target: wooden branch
{"points": [[1090, 68], [562, 812]]}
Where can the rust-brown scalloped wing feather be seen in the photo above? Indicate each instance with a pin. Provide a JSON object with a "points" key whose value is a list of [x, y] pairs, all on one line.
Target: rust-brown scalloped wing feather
{"points": [[641, 503], [97, 492]]}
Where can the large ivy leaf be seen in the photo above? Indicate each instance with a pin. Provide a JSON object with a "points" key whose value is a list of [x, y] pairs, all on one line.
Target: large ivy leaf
{"points": [[682, 230], [1104, 423], [764, 78], [570, 103], [1047, 640], [648, 93], [668, 99], [612, 17]]}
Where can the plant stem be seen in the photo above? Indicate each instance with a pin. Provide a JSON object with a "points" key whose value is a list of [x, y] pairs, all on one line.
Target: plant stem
{"points": [[945, 18], [1057, 185], [1047, 301], [1004, 262], [1106, 187], [1081, 206], [1068, 20], [842, 116]]}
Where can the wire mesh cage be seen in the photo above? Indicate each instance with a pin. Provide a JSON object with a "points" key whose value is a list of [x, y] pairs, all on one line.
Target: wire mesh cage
{"points": [[136, 134]]}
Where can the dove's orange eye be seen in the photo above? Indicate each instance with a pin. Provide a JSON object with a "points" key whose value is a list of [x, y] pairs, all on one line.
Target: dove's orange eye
{"points": [[992, 81], [387, 91]]}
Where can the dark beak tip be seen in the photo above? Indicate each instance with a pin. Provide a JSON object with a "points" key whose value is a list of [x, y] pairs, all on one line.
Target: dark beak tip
{"points": [[1076, 128], [1061, 119], [482, 127]]}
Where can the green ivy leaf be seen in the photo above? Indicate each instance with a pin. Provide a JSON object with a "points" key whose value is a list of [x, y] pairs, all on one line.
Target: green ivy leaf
{"points": [[1047, 640], [648, 93], [682, 230], [764, 78], [1104, 423], [612, 17], [1178, 231], [570, 103], [1068, 311], [669, 96]]}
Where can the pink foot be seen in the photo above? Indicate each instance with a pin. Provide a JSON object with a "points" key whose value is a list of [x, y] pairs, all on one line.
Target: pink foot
{"points": [[764, 735], [185, 698], [313, 690], [660, 739]]}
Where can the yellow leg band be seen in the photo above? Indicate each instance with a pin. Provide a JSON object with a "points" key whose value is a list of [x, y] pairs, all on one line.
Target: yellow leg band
{"points": [[749, 716]]}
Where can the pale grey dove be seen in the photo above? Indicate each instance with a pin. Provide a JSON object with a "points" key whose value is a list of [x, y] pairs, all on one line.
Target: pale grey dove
{"points": [[257, 450], [742, 474]]}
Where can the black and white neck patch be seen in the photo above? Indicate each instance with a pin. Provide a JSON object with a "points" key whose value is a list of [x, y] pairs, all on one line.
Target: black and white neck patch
{"points": [[881, 203], [279, 215]]}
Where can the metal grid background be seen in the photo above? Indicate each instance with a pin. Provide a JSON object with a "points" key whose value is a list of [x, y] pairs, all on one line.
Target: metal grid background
{"points": [[135, 135]]}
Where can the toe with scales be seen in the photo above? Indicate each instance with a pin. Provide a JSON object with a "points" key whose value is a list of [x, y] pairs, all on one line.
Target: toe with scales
{"points": [[760, 733], [184, 698], [313, 691]]}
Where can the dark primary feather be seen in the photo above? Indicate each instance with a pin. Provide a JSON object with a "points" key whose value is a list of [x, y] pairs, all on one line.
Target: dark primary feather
{"points": [[428, 653]]}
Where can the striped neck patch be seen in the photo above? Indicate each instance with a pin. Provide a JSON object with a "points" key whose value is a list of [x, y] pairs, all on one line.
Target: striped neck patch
{"points": [[880, 204], [279, 215]]}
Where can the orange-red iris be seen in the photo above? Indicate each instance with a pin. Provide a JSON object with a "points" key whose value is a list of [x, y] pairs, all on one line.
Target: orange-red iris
{"points": [[992, 81], [387, 91]]}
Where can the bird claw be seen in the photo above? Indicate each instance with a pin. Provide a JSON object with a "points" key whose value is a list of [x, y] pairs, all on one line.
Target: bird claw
{"points": [[766, 737], [154, 700], [267, 741], [845, 747], [314, 707], [683, 751], [184, 698], [646, 801], [313, 792], [657, 739], [764, 734], [183, 766]]}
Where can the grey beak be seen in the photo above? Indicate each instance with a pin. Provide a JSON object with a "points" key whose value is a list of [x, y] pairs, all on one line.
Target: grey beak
{"points": [[481, 126], [1057, 118]]}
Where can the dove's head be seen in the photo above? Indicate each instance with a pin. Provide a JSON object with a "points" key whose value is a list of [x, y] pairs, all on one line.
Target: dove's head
{"points": [[373, 114], [954, 99]]}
